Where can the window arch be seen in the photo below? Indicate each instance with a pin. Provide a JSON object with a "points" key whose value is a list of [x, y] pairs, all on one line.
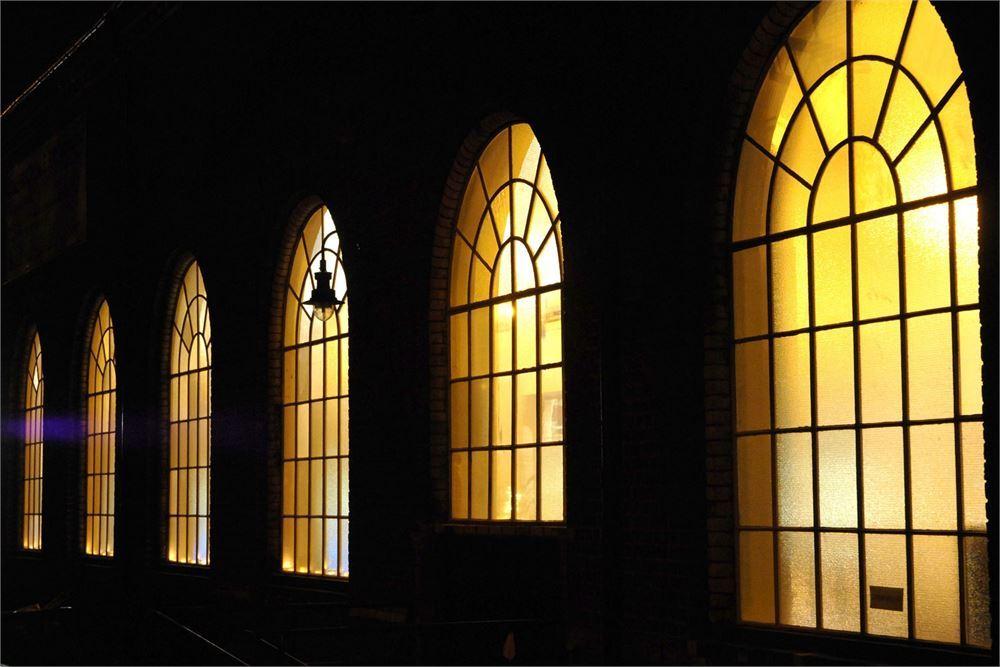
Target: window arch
{"points": [[102, 422], [34, 436], [190, 456], [315, 474], [859, 432], [505, 333]]}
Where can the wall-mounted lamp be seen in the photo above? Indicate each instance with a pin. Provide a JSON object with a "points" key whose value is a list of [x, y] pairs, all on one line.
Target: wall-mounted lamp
{"points": [[323, 299]]}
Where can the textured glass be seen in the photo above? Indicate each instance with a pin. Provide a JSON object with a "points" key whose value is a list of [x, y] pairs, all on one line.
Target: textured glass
{"points": [[928, 279], [935, 588], [835, 376], [929, 362], [881, 368], [959, 140], [790, 284], [792, 403], [314, 537], [796, 579], [877, 27], [970, 362], [750, 292], [885, 566], [977, 598], [32, 474], [828, 102], [754, 483], [750, 204], [882, 463], [512, 221], [833, 192], [967, 250], [795, 474], [802, 152], [973, 476], [929, 54], [932, 477], [818, 43], [778, 98], [921, 170], [757, 576], [839, 571], [874, 187], [832, 276], [838, 480], [790, 203], [906, 111], [753, 403], [871, 80], [102, 428], [878, 268]]}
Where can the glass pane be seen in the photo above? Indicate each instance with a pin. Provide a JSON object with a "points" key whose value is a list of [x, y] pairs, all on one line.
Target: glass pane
{"points": [[874, 186], [778, 97], [818, 42], [552, 483], [833, 195], [838, 481], [502, 504], [789, 203], [878, 267], [480, 485], [527, 407], [480, 414], [932, 476], [839, 570], [977, 593], [871, 79], [526, 472], [973, 476], [832, 280], [754, 480], [503, 331], [795, 479], [881, 369], [790, 283], [877, 27], [835, 376], [757, 576], [967, 250], [480, 341], [458, 348], [753, 403], [460, 485], [829, 100], [750, 292], [906, 111], [929, 54], [929, 362], [526, 315], [551, 333], [753, 181], [501, 423], [928, 279], [882, 450], [460, 414], [935, 588], [550, 405], [885, 567], [921, 170], [796, 579], [791, 381], [970, 362], [957, 125], [803, 152]]}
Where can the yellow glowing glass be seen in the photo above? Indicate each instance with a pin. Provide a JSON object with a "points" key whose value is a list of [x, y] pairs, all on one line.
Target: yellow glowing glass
{"points": [[856, 189], [34, 435], [190, 457], [315, 453], [505, 334], [102, 428]]}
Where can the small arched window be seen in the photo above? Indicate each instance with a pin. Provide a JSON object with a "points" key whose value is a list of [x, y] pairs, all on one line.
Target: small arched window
{"points": [[315, 476], [858, 380], [34, 436], [190, 455], [505, 333], [102, 423]]}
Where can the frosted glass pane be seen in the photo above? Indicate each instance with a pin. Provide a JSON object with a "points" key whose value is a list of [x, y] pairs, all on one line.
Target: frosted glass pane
{"points": [[526, 338], [757, 576], [750, 292], [829, 100], [874, 187], [967, 250], [791, 381], [526, 389], [778, 97], [871, 80], [753, 402], [795, 488], [503, 336], [878, 267], [796, 579], [885, 566], [818, 41], [550, 405], [882, 464], [973, 476], [921, 170], [753, 182], [480, 335], [977, 593], [501, 423], [929, 54], [480, 485], [928, 280], [789, 203], [881, 373], [833, 195], [906, 111], [551, 333], [970, 362], [838, 481], [877, 27], [932, 476], [957, 125], [929, 360], [790, 283], [935, 588], [802, 152], [526, 471], [832, 280], [479, 417], [502, 505], [835, 376], [458, 349], [552, 483], [839, 572], [754, 481], [460, 485]]}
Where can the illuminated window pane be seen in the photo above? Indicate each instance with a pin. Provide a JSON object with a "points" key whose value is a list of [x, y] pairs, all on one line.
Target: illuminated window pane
{"points": [[102, 422], [315, 480], [512, 346], [871, 237], [32, 473], [190, 367]]}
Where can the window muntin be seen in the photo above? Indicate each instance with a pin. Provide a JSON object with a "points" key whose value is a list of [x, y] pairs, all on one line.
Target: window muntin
{"points": [[34, 432], [857, 354], [315, 474], [190, 456], [505, 333], [102, 382]]}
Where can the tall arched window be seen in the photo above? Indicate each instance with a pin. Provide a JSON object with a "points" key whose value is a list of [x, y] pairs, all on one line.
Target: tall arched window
{"points": [[190, 454], [315, 477], [505, 333], [34, 402], [858, 383], [102, 425]]}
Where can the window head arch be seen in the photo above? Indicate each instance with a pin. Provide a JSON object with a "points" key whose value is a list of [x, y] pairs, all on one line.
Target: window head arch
{"points": [[505, 333], [102, 427], [34, 436], [315, 449], [190, 456], [859, 434]]}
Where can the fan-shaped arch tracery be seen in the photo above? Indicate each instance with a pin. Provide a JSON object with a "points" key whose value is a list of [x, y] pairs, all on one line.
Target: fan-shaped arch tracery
{"points": [[34, 436], [102, 423]]}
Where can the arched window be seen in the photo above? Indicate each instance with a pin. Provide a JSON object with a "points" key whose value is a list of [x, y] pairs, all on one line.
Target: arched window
{"points": [[315, 477], [190, 456], [102, 422], [34, 402], [505, 333], [858, 383]]}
